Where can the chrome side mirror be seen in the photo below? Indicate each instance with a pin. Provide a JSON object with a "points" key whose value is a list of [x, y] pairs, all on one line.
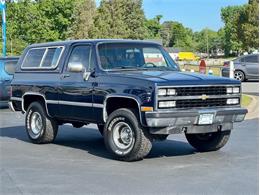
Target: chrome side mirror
{"points": [[75, 67]]}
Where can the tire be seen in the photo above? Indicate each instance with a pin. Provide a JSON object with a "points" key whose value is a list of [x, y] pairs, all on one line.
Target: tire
{"points": [[125, 138], [101, 129], [239, 75], [208, 141], [39, 127]]}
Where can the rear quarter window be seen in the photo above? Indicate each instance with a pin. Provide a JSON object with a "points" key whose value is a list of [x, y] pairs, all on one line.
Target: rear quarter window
{"points": [[42, 58]]}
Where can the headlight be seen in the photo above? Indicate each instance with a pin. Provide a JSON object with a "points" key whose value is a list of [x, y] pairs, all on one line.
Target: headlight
{"points": [[233, 101], [233, 90], [229, 90], [171, 92], [162, 92], [165, 92], [236, 90], [167, 104]]}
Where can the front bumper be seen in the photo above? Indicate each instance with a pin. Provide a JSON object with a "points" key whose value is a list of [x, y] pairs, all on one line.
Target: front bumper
{"points": [[179, 121]]}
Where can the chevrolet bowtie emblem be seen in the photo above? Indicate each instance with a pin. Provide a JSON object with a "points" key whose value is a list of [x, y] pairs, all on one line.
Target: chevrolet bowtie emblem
{"points": [[204, 97]]}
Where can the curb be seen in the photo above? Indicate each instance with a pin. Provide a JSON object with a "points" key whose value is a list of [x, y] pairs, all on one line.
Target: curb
{"points": [[253, 107]]}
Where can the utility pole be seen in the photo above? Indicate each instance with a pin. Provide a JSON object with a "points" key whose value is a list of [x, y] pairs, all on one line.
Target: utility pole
{"points": [[2, 4], [207, 39]]}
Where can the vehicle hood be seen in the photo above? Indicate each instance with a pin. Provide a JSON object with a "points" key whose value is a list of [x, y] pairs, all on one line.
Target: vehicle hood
{"points": [[176, 77]]}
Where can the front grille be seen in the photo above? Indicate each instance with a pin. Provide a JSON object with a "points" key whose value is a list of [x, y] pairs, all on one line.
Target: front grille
{"points": [[193, 91], [199, 97], [192, 103]]}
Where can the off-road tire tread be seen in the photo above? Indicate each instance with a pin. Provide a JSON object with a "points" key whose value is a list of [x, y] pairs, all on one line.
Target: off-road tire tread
{"points": [[220, 140], [51, 128], [144, 145]]}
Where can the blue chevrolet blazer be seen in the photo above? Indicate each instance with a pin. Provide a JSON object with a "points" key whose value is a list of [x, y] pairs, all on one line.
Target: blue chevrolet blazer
{"points": [[132, 90]]}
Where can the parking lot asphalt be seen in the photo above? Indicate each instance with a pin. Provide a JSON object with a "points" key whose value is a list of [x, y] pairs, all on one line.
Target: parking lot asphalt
{"points": [[250, 87], [78, 163]]}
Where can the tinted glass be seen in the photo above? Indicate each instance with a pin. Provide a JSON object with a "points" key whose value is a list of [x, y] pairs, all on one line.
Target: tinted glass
{"points": [[81, 54], [10, 66], [251, 59], [51, 57], [33, 58], [133, 56]]}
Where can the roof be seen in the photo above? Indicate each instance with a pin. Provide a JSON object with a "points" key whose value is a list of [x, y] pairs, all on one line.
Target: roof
{"points": [[95, 41]]}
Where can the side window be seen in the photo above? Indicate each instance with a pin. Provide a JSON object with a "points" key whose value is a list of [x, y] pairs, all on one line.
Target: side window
{"points": [[10, 67], [51, 57], [42, 58], [251, 59], [33, 58], [81, 54]]}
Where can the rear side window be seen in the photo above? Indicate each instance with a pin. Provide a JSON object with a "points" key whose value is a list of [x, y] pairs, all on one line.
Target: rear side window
{"points": [[251, 59], [10, 66], [42, 58]]}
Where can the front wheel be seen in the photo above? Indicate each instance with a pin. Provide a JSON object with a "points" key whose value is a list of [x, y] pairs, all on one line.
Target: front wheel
{"points": [[39, 127], [239, 75], [124, 137], [205, 142]]}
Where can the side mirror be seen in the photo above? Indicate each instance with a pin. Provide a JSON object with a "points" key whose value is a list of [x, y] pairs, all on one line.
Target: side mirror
{"points": [[75, 67]]}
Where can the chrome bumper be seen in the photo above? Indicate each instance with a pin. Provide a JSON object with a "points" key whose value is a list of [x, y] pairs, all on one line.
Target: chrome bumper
{"points": [[187, 120]]}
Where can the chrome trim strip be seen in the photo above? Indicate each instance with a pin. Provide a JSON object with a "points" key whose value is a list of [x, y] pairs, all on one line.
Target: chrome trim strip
{"points": [[119, 96], [16, 99], [34, 93], [217, 85], [197, 97], [11, 106], [70, 103]]}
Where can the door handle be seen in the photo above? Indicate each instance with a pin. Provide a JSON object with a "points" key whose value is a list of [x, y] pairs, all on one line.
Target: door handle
{"points": [[63, 76]]}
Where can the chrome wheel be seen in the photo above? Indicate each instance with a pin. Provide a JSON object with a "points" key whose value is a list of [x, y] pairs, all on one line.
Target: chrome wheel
{"points": [[123, 136], [36, 124], [238, 75]]}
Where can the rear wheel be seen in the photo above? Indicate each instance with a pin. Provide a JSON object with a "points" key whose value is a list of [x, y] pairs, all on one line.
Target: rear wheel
{"points": [[239, 75], [39, 127], [205, 142], [124, 137]]}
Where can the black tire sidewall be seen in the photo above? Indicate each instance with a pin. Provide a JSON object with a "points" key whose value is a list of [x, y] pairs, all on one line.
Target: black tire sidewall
{"points": [[35, 107], [128, 117]]}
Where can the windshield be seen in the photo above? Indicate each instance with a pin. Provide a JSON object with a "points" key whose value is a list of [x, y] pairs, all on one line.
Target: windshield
{"points": [[134, 56]]}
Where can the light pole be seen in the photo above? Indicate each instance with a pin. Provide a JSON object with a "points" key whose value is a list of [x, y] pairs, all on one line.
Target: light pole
{"points": [[3, 27]]}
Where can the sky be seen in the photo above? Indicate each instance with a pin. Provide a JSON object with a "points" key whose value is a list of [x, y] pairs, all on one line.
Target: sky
{"points": [[194, 14]]}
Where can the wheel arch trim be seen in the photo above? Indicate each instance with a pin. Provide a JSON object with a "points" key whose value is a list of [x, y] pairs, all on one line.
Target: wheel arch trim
{"points": [[127, 96], [35, 94]]}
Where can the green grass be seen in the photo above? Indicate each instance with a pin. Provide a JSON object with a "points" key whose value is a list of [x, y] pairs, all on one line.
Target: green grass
{"points": [[245, 100]]}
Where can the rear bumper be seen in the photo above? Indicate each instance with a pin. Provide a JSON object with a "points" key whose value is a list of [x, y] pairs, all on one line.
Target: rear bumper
{"points": [[187, 120], [225, 72]]}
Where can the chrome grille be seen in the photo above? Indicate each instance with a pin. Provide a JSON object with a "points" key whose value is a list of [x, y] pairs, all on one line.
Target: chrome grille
{"points": [[190, 91], [198, 96]]}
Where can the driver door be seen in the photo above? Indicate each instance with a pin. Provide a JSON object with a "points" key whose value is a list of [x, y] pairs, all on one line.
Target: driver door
{"points": [[75, 101]]}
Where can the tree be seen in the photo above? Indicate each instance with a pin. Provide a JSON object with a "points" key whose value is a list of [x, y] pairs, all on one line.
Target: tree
{"points": [[120, 19], [82, 20], [153, 27], [248, 25], [230, 16]]}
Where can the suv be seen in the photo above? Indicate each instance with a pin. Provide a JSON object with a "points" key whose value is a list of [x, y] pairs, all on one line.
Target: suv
{"points": [[7, 69], [246, 67], [132, 90]]}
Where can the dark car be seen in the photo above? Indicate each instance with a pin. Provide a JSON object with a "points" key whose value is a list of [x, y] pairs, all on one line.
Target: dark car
{"points": [[246, 68], [7, 69], [132, 90]]}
